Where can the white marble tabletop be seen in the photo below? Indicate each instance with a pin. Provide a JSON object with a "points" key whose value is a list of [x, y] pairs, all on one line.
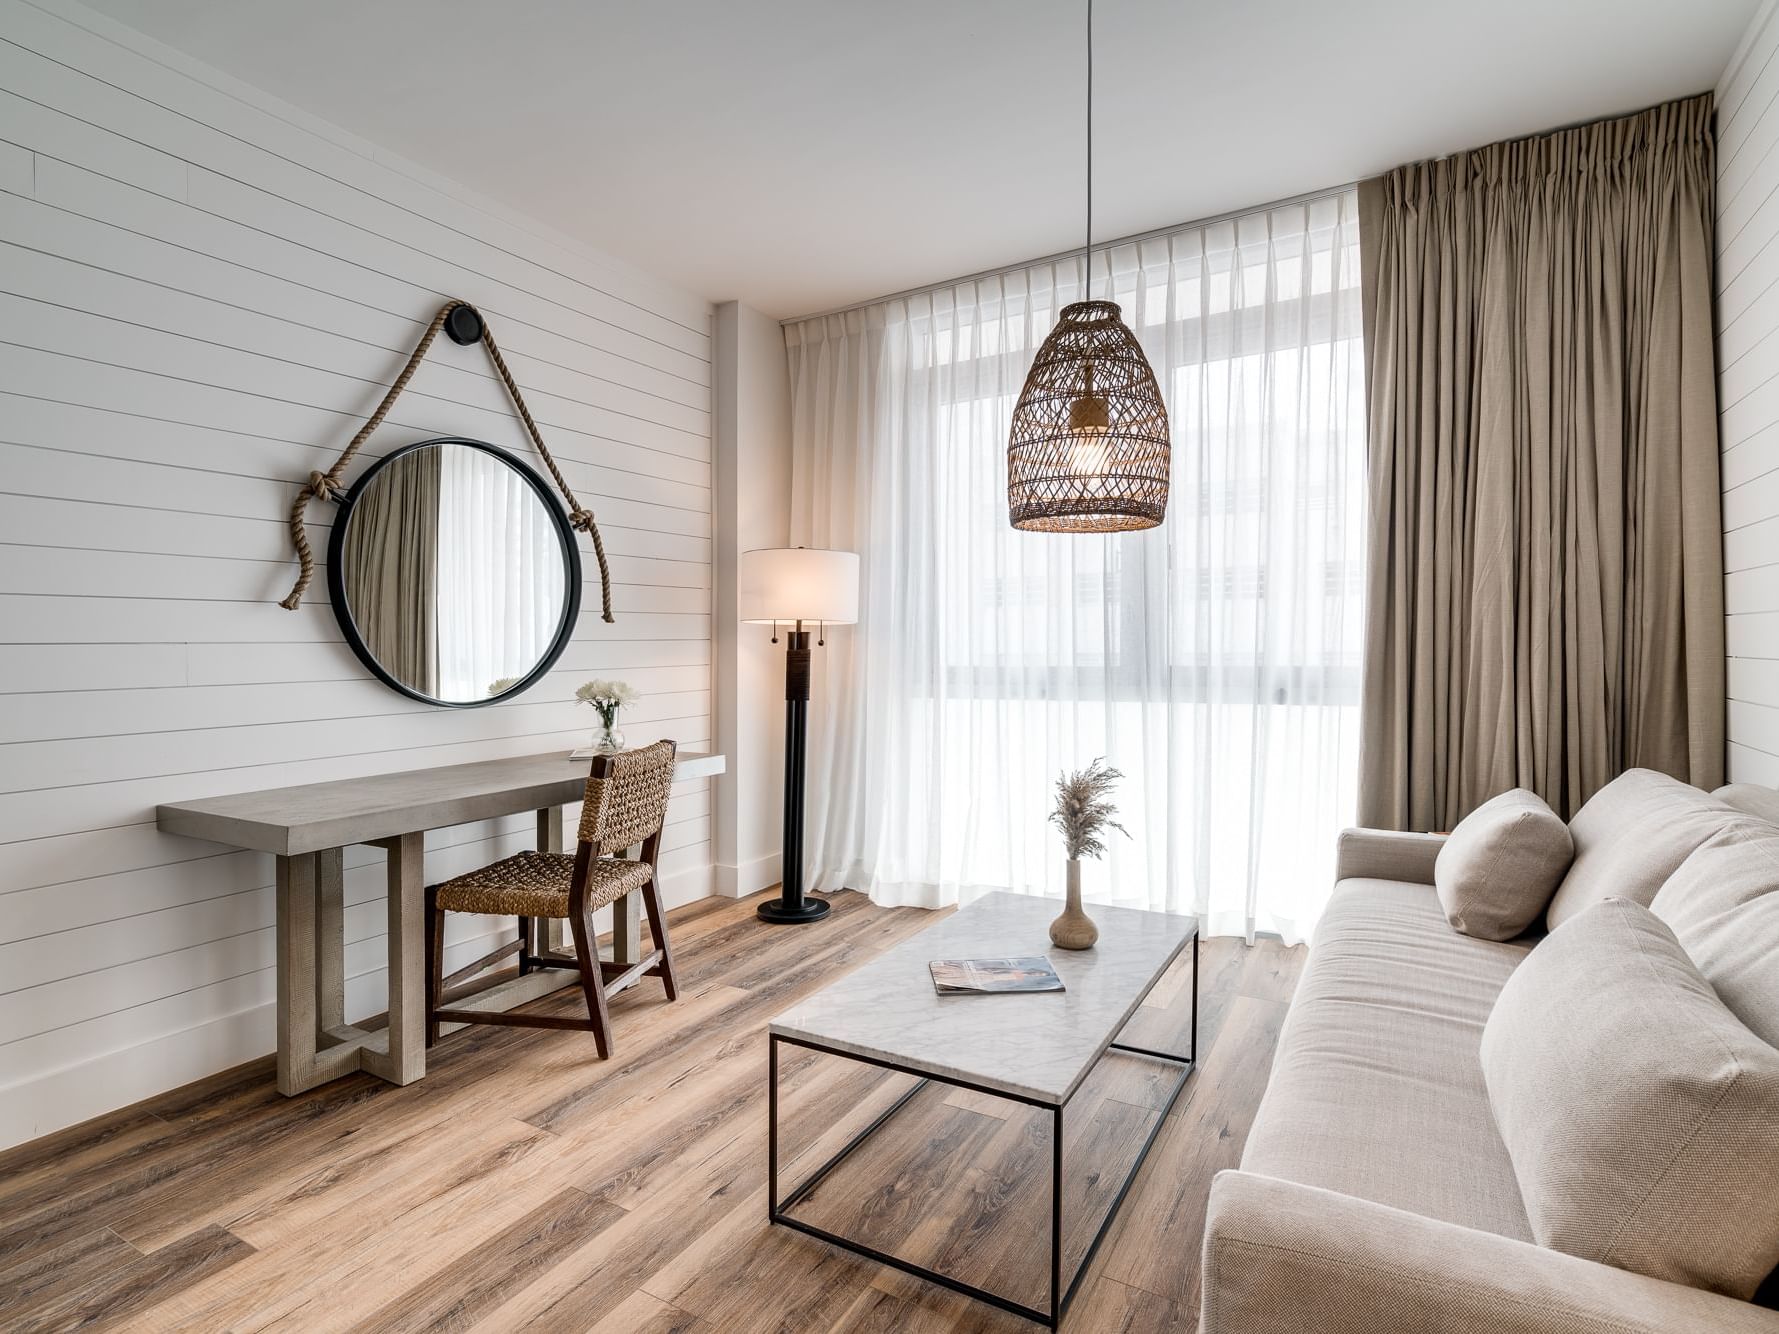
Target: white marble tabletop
{"points": [[1035, 1045]]}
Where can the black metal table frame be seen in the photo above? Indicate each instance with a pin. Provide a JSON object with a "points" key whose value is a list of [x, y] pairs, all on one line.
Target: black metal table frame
{"points": [[1060, 1296]]}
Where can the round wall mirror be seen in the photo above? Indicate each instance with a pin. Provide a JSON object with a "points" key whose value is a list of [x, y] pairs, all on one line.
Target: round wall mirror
{"points": [[454, 573]]}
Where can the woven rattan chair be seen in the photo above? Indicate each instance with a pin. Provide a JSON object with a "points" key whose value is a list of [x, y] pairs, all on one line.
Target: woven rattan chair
{"points": [[626, 804]]}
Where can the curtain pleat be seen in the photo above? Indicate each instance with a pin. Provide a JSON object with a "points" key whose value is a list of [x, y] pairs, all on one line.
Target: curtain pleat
{"points": [[1545, 579]]}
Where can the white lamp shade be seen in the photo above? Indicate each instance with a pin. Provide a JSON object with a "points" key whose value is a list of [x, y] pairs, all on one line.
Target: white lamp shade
{"points": [[799, 584]]}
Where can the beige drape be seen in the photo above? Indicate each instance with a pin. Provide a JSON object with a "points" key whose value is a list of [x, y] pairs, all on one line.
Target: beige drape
{"points": [[1546, 571], [391, 568]]}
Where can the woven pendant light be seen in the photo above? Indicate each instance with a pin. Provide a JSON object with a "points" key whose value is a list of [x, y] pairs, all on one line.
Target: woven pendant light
{"points": [[1089, 449]]}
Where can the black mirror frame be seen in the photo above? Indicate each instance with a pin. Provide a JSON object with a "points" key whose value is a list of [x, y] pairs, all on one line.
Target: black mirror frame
{"points": [[336, 579]]}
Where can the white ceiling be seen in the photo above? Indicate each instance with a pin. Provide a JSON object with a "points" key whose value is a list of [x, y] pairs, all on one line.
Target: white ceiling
{"points": [[804, 154]]}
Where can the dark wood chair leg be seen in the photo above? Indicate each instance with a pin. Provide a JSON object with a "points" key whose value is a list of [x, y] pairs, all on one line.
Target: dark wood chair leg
{"points": [[586, 948], [651, 900], [435, 961], [524, 946]]}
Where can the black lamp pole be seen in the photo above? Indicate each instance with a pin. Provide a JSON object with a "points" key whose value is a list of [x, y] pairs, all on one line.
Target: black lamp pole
{"points": [[790, 906]]}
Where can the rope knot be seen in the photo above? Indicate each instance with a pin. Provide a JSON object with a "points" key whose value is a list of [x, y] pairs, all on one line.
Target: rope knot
{"points": [[581, 519], [323, 487]]}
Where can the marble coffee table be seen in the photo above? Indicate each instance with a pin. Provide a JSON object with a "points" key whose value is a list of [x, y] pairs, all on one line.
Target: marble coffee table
{"points": [[1034, 1048]]}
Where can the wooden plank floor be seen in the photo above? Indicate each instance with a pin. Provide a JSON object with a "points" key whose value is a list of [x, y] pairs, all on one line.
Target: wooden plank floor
{"points": [[526, 1184]]}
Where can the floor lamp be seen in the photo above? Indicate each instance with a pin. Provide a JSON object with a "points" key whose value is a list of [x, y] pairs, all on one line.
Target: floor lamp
{"points": [[797, 586]]}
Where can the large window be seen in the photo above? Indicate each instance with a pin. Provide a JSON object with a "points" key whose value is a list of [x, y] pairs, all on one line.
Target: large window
{"points": [[1215, 661]]}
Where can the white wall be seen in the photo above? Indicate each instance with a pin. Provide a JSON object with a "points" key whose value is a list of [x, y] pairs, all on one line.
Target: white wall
{"points": [[1748, 391], [752, 422], [201, 294]]}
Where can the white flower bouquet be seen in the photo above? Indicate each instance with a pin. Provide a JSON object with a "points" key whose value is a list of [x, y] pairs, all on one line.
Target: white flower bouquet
{"points": [[607, 697]]}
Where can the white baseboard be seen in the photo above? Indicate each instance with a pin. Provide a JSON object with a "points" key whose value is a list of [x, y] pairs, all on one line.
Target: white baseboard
{"points": [[55, 1099], [737, 882]]}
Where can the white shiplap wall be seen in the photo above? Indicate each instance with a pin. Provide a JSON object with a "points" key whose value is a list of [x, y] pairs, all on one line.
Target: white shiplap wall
{"points": [[202, 292], [1748, 391]]}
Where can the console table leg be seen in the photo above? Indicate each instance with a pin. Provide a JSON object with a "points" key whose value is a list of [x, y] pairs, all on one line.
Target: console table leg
{"points": [[406, 1060], [296, 921], [547, 931], [627, 929], [330, 940], [310, 988]]}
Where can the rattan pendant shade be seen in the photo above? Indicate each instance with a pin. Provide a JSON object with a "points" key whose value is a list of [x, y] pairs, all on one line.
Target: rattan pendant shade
{"points": [[1089, 451]]}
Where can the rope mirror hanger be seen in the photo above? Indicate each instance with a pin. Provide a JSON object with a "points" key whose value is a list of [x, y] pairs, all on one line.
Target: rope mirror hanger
{"points": [[463, 324]]}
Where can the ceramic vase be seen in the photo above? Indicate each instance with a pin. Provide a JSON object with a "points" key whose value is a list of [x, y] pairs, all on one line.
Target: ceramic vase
{"points": [[1074, 930]]}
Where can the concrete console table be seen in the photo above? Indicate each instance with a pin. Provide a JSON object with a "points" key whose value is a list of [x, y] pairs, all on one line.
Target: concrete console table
{"points": [[306, 828]]}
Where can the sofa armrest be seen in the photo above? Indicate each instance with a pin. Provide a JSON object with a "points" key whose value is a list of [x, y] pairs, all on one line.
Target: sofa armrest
{"points": [[1279, 1256], [1385, 854]]}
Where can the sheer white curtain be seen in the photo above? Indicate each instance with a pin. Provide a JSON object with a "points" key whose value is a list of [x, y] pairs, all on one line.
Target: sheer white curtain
{"points": [[500, 582], [1215, 661]]}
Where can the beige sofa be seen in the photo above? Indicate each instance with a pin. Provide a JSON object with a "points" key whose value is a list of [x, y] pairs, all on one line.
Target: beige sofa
{"points": [[1375, 1192]]}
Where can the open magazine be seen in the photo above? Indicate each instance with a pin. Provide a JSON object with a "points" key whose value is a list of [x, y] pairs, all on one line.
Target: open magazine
{"points": [[1027, 973]]}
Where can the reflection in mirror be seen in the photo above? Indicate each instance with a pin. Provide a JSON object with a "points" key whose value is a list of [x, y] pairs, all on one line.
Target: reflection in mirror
{"points": [[455, 571]]}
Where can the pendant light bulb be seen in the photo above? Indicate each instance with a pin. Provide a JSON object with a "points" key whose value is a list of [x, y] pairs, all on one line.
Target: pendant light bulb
{"points": [[1088, 456], [1090, 422]]}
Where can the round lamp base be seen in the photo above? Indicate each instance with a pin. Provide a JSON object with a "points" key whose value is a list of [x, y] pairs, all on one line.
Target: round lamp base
{"points": [[777, 910]]}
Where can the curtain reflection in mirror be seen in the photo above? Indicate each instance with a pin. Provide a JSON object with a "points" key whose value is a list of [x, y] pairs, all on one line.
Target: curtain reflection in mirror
{"points": [[391, 568], [500, 576]]}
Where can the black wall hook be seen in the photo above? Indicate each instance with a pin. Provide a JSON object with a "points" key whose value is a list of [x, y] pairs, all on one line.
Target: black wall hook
{"points": [[463, 325]]}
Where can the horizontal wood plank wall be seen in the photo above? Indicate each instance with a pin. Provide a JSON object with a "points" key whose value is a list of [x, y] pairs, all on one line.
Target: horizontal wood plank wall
{"points": [[1748, 392], [202, 293]]}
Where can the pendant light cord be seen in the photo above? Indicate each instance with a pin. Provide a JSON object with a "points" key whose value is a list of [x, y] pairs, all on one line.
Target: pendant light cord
{"points": [[1087, 249]]}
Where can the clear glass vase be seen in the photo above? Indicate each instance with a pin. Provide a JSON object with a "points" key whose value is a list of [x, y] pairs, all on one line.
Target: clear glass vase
{"points": [[607, 739]]}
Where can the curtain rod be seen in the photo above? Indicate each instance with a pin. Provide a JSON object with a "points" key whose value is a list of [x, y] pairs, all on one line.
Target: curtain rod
{"points": [[1060, 255]]}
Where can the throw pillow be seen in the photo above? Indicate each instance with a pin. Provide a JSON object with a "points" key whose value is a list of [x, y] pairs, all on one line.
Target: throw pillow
{"points": [[1641, 1116], [1497, 872], [1723, 907], [1630, 836]]}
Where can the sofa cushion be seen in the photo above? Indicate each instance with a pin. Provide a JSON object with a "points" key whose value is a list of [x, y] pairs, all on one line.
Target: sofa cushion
{"points": [[1376, 1090], [1751, 799], [1723, 907], [1498, 870], [1630, 837], [1642, 1117]]}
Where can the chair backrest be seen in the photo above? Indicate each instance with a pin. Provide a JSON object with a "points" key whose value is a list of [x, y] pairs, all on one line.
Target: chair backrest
{"points": [[626, 798]]}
